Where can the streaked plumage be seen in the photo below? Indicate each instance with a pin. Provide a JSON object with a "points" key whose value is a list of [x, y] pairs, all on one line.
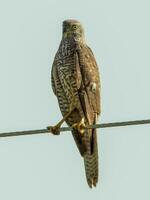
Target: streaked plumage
{"points": [[76, 83]]}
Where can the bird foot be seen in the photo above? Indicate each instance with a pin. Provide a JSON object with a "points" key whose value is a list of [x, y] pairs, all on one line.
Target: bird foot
{"points": [[80, 126], [55, 130]]}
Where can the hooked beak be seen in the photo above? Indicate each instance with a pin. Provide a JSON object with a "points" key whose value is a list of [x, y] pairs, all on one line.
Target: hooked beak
{"points": [[77, 36]]}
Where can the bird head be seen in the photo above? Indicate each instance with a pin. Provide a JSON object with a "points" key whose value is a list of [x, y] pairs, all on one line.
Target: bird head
{"points": [[73, 29]]}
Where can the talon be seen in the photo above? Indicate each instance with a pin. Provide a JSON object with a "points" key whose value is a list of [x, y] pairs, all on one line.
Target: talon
{"points": [[55, 130], [80, 126]]}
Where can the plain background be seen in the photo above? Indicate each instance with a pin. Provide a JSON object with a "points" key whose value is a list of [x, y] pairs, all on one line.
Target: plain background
{"points": [[48, 167]]}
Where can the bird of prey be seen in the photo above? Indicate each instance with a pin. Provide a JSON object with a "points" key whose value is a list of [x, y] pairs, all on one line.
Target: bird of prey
{"points": [[76, 84]]}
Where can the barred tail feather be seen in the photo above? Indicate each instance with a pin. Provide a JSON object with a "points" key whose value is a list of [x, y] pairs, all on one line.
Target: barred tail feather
{"points": [[91, 161]]}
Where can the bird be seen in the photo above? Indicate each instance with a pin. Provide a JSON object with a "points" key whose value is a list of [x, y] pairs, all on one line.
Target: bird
{"points": [[75, 81]]}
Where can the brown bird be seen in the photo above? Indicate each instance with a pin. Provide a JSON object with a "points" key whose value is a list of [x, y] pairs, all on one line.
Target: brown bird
{"points": [[76, 84]]}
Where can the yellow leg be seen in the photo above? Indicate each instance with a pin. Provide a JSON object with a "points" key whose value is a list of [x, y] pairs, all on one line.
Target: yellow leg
{"points": [[80, 126], [55, 129]]}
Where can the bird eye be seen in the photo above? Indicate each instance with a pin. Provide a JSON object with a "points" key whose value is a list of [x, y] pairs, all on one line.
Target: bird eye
{"points": [[74, 27]]}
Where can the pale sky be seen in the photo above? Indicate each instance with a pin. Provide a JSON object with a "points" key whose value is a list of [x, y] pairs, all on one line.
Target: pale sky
{"points": [[50, 167]]}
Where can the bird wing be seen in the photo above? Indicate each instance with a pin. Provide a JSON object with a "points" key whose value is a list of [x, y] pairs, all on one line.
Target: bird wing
{"points": [[89, 95], [88, 82]]}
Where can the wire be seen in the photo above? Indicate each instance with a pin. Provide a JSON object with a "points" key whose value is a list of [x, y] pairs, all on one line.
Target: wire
{"points": [[64, 129]]}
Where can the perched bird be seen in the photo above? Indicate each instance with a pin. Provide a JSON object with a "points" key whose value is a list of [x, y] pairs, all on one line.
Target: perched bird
{"points": [[76, 84]]}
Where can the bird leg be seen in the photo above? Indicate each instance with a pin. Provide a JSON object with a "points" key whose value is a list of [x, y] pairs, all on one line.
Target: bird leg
{"points": [[55, 129], [80, 126]]}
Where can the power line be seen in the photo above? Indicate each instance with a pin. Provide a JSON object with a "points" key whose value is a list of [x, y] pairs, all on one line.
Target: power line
{"points": [[64, 129]]}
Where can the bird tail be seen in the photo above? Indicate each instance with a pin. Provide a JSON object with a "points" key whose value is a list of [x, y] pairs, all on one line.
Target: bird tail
{"points": [[91, 159]]}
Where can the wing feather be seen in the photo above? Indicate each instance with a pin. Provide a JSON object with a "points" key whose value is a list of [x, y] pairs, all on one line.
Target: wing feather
{"points": [[89, 91]]}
